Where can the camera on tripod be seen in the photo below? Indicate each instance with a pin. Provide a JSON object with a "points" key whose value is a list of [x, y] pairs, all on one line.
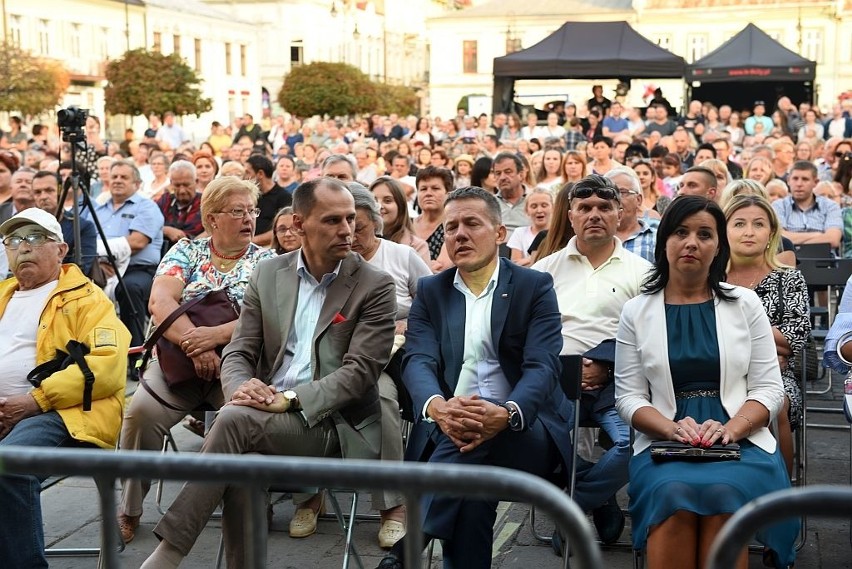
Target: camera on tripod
{"points": [[72, 122]]}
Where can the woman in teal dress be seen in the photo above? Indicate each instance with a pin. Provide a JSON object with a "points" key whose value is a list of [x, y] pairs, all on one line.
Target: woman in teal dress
{"points": [[696, 363]]}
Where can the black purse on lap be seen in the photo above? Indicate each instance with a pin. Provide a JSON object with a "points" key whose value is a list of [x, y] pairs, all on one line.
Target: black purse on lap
{"points": [[663, 451]]}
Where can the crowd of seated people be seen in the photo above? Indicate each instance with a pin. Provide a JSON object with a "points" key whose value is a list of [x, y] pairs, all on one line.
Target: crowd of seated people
{"points": [[586, 190]]}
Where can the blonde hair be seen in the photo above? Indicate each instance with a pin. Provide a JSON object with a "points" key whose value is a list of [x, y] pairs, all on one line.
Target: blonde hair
{"points": [[232, 168], [718, 167], [738, 202], [742, 187], [219, 191]]}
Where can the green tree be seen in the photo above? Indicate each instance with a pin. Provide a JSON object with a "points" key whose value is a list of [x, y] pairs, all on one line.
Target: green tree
{"points": [[333, 88], [144, 82], [396, 99], [28, 84]]}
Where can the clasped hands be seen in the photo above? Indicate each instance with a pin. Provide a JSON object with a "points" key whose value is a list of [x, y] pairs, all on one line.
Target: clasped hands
{"points": [[199, 344], [708, 433], [468, 421], [595, 375], [255, 393]]}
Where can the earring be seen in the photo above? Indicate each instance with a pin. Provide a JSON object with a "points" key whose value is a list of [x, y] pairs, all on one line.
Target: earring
{"points": [[215, 226]]}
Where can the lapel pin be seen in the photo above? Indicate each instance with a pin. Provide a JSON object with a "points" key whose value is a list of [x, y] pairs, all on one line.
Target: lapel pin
{"points": [[504, 295]]}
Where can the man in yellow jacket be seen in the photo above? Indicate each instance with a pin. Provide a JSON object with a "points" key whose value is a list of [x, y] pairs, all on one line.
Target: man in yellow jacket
{"points": [[63, 366]]}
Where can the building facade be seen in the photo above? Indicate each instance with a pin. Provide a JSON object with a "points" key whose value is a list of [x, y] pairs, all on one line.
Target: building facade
{"points": [[464, 44], [383, 38], [85, 34]]}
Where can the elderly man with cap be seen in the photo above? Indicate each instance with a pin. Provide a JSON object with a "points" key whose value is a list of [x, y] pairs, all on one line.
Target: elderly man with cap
{"points": [[49, 311]]}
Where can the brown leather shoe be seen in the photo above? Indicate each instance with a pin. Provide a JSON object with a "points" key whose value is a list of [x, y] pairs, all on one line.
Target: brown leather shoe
{"points": [[127, 526]]}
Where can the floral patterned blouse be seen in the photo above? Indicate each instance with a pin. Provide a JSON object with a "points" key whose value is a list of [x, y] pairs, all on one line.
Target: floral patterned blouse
{"points": [[191, 262]]}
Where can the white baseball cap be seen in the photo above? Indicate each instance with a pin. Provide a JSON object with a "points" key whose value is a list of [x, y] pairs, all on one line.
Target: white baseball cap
{"points": [[33, 216]]}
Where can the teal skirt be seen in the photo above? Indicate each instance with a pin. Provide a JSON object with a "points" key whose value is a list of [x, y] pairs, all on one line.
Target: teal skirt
{"points": [[659, 489]]}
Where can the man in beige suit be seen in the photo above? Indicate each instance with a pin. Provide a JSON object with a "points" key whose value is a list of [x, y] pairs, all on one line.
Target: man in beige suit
{"points": [[289, 389]]}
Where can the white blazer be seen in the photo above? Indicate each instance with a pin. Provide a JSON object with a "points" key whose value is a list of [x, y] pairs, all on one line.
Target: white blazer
{"points": [[748, 360]]}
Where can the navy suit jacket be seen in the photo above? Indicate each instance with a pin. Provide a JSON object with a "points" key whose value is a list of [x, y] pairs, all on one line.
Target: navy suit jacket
{"points": [[526, 330]]}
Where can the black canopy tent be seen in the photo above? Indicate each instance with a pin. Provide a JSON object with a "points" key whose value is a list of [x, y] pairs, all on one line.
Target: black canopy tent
{"points": [[584, 50], [748, 67]]}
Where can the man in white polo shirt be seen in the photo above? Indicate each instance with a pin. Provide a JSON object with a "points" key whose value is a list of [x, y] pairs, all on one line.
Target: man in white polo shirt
{"points": [[593, 277]]}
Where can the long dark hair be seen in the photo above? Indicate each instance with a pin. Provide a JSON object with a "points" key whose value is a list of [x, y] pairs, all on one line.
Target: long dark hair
{"points": [[676, 213]]}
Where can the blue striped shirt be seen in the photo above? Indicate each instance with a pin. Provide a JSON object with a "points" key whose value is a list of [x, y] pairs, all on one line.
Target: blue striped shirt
{"points": [[840, 333], [822, 216], [642, 242], [296, 366]]}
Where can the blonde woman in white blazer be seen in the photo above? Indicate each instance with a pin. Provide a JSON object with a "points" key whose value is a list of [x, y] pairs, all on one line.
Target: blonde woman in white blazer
{"points": [[696, 363]]}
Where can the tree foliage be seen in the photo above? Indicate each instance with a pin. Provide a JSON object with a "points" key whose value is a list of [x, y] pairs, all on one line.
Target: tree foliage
{"points": [[327, 88], [144, 82], [28, 84], [338, 89], [396, 99]]}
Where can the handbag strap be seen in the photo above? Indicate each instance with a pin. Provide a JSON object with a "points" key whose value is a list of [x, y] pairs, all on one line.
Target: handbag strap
{"points": [[170, 319], [158, 332]]}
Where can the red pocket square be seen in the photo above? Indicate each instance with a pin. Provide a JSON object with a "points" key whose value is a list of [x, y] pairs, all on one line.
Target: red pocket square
{"points": [[338, 318]]}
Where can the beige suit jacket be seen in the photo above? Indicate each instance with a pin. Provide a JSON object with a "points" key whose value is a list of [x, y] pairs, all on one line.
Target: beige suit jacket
{"points": [[347, 357]]}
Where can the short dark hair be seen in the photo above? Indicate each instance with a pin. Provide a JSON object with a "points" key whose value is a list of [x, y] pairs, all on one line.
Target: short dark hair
{"points": [[305, 195], [260, 163], [475, 193], [708, 147], [659, 151], [636, 150], [805, 165], [286, 157], [48, 174], [605, 139], [508, 156], [442, 174], [673, 217], [709, 175]]}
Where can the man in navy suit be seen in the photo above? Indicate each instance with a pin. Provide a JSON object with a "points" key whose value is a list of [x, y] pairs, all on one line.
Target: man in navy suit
{"points": [[482, 367]]}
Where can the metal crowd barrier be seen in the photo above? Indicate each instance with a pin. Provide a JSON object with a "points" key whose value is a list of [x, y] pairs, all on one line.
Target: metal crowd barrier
{"points": [[830, 501], [257, 472]]}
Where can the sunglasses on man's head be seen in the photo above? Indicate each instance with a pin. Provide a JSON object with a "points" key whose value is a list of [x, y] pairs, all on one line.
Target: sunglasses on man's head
{"points": [[583, 192]]}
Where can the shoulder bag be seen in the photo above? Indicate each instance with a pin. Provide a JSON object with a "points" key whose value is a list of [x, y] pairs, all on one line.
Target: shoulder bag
{"points": [[212, 309]]}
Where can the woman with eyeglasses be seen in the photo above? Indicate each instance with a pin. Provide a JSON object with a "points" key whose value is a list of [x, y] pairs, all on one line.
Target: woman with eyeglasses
{"points": [[160, 167], [191, 268], [286, 238]]}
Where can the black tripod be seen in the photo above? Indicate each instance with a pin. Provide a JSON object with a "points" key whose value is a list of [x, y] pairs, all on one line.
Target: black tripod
{"points": [[75, 138]]}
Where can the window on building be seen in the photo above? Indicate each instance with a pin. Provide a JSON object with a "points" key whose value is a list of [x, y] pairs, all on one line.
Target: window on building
{"points": [[15, 30], [469, 56], [75, 40], [812, 45], [297, 54], [43, 37], [696, 47], [228, 68], [243, 62], [176, 45], [158, 43], [513, 44], [777, 35], [197, 54], [103, 43], [664, 41]]}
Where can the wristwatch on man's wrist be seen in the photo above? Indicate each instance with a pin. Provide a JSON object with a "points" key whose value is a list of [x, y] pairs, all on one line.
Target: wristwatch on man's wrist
{"points": [[293, 399], [514, 420]]}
